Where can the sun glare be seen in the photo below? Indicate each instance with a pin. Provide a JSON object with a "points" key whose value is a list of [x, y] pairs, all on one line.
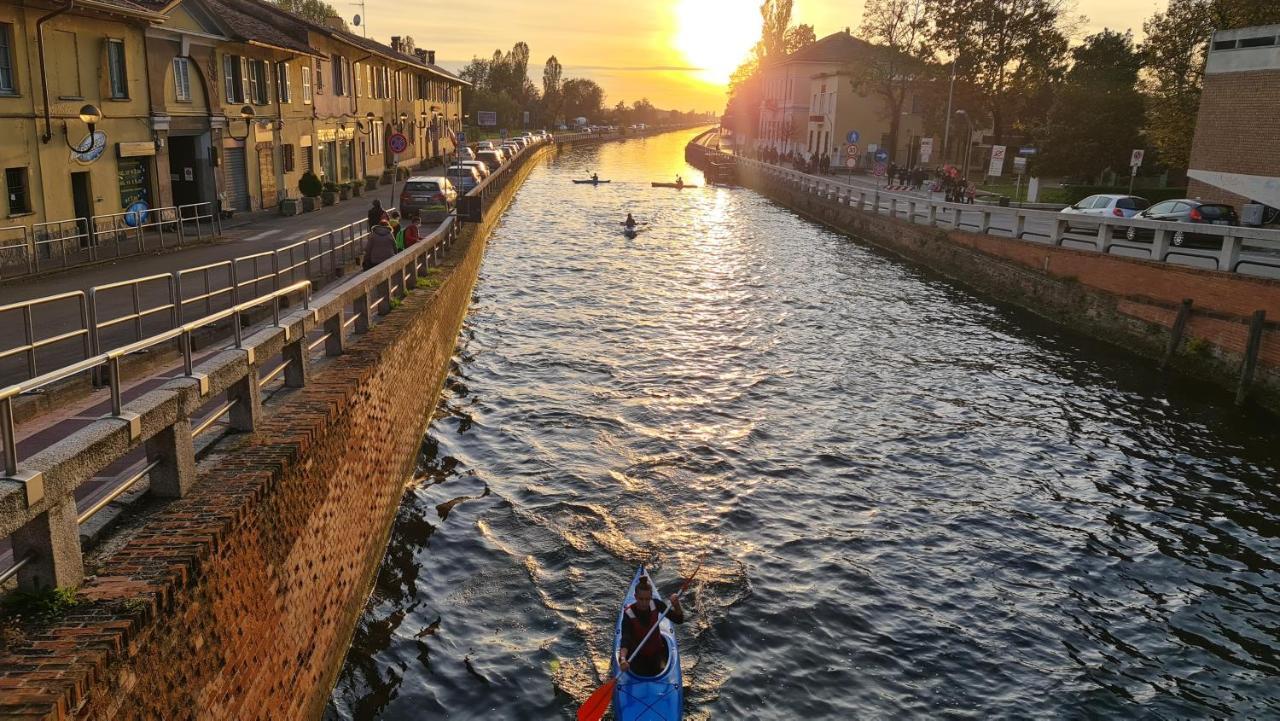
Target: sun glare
{"points": [[716, 35]]}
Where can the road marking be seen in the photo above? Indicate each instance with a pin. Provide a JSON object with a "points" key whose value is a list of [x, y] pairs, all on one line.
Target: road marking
{"points": [[264, 234]]}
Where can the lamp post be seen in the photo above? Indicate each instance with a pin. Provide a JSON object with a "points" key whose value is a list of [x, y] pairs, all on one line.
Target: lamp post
{"points": [[90, 115], [246, 114], [968, 143], [946, 133]]}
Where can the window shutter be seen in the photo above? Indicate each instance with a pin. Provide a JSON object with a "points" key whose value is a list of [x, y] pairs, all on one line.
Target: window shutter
{"points": [[288, 82]]}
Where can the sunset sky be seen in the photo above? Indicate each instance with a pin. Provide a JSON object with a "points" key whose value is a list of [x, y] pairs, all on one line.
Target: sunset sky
{"points": [[678, 53]]}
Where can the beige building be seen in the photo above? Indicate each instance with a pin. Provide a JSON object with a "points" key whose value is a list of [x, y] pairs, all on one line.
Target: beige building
{"points": [[809, 106], [55, 63]]}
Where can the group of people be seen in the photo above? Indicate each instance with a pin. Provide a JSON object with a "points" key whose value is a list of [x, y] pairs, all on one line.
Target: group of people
{"points": [[387, 235]]}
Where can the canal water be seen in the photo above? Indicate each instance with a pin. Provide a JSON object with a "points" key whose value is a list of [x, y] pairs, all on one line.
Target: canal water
{"points": [[912, 502]]}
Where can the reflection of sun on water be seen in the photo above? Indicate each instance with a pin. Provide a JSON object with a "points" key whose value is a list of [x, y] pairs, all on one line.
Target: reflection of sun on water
{"points": [[717, 35]]}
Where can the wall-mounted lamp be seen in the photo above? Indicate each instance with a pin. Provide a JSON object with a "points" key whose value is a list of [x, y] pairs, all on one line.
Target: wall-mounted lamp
{"points": [[367, 126], [246, 113], [90, 116]]}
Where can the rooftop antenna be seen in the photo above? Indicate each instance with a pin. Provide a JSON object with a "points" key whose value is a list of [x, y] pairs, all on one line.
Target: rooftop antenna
{"points": [[358, 20]]}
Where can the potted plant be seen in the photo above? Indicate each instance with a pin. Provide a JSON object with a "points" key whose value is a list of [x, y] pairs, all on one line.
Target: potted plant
{"points": [[344, 191], [310, 187], [290, 206], [330, 194], [357, 188], [370, 183]]}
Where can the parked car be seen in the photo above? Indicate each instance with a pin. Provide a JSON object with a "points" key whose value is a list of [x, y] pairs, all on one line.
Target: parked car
{"points": [[463, 177], [480, 167], [1100, 206], [431, 196], [511, 149], [485, 145], [491, 158], [465, 153], [1186, 210], [518, 142]]}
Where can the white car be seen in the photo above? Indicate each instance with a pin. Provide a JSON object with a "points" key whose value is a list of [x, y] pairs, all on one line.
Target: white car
{"points": [[484, 145], [1115, 206]]}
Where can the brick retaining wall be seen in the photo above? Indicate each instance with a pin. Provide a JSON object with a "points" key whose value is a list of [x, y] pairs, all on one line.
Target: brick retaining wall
{"points": [[1127, 301]]}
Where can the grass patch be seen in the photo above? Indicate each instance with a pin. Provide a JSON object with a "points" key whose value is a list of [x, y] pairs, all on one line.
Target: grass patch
{"points": [[396, 303], [40, 606], [1198, 347]]}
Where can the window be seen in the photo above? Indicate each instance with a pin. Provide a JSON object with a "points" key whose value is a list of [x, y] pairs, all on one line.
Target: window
{"points": [[8, 83], [15, 184], [116, 70], [257, 82], [286, 157], [319, 78], [182, 80], [340, 76], [306, 83], [232, 78], [283, 89], [377, 140]]}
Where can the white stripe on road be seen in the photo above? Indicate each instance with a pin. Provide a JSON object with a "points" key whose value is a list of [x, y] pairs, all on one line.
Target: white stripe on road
{"points": [[264, 234]]}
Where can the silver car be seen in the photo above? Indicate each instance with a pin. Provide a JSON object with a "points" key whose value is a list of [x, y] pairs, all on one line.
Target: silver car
{"points": [[463, 177], [480, 167], [431, 196]]}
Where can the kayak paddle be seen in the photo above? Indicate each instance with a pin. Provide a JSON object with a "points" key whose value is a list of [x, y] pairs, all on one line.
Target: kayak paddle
{"points": [[594, 707]]}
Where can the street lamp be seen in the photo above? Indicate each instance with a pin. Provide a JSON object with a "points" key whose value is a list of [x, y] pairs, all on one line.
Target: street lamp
{"points": [[90, 115], [968, 143], [246, 113]]}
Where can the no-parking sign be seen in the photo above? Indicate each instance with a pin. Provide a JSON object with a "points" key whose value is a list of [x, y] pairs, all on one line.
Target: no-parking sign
{"points": [[397, 143], [881, 169]]}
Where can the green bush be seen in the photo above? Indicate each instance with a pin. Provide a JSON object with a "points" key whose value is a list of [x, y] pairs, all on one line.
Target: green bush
{"points": [[310, 185], [330, 187]]}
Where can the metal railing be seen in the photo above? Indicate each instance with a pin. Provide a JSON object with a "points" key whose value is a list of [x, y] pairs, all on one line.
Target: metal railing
{"points": [[284, 335], [56, 244], [1227, 248]]}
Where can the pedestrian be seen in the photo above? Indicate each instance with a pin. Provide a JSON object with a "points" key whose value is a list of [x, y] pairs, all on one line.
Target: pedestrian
{"points": [[393, 220], [380, 246], [375, 213], [411, 233]]}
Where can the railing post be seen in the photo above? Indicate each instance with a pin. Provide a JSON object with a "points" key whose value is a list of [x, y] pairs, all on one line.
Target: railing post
{"points": [[335, 342], [299, 363], [1230, 254], [53, 540], [1019, 224], [1159, 245], [911, 211], [246, 398], [1059, 230], [384, 290], [933, 214], [986, 222], [361, 307], [956, 216], [1105, 237], [173, 451]]}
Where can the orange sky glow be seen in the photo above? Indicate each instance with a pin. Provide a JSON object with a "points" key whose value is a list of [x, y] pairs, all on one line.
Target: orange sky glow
{"points": [[677, 53]]}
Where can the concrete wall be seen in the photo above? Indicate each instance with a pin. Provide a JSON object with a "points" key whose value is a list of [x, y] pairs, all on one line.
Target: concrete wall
{"points": [[239, 600], [1130, 302]]}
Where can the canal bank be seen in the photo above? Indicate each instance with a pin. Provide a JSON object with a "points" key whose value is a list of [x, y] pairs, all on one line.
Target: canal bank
{"points": [[1217, 328]]}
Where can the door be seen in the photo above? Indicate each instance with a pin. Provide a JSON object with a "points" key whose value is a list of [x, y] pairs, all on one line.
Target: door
{"points": [[82, 199], [267, 175], [237, 182], [185, 173]]}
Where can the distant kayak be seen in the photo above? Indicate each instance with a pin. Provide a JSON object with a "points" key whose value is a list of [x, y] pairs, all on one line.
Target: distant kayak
{"points": [[631, 232], [648, 698], [673, 185], [590, 182]]}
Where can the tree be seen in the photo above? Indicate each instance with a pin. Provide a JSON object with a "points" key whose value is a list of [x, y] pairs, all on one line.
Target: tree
{"points": [[775, 18], [895, 60], [582, 98], [551, 97], [999, 42], [317, 11], [798, 37], [1173, 65], [1097, 116]]}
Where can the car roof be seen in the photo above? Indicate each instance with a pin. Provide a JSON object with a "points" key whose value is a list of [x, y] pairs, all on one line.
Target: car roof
{"points": [[425, 178]]}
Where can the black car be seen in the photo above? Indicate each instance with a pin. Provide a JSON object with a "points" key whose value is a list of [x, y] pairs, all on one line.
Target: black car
{"points": [[1185, 210]]}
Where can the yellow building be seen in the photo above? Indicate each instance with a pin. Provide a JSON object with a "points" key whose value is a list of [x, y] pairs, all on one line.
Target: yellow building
{"points": [[74, 112]]}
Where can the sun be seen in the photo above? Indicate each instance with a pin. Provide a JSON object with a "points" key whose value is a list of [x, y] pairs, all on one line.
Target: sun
{"points": [[716, 35]]}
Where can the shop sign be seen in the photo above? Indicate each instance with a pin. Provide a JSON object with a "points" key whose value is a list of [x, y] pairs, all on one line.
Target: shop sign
{"points": [[90, 148], [135, 150]]}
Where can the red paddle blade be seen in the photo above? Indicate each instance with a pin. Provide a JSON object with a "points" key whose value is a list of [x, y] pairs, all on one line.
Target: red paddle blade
{"points": [[593, 709]]}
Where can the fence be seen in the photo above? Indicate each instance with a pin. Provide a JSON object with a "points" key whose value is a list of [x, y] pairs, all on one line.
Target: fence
{"points": [[1227, 248], [40, 247]]}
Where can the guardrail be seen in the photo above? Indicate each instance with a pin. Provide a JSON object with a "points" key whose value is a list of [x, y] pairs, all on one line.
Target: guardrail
{"points": [[37, 497], [27, 250], [1227, 248]]}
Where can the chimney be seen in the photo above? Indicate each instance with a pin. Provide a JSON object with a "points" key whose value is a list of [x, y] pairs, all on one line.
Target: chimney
{"points": [[395, 43], [431, 57], [422, 54], [335, 23]]}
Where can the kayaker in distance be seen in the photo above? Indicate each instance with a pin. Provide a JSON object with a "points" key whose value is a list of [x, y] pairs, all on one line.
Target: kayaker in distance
{"points": [[679, 182], [637, 620], [595, 178], [629, 222]]}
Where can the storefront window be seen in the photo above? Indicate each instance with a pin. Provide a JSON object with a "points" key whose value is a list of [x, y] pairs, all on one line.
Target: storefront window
{"points": [[328, 161], [345, 161], [134, 176]]}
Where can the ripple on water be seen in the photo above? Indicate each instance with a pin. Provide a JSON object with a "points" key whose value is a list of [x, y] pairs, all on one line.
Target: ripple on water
{"points": [[914, 502]]}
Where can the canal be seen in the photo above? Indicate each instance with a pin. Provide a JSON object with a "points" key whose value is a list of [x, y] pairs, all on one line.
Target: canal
{"points": [[912, 501]]}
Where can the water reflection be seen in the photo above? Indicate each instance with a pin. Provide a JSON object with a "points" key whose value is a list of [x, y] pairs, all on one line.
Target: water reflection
{"points": [[917, 503]]}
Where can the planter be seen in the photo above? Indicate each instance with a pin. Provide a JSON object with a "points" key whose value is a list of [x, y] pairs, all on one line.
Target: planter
{"points": [[385, 179], [371, 183], [310, 204], [329, 197], [290, 206], [357, 189], [344, 194]]}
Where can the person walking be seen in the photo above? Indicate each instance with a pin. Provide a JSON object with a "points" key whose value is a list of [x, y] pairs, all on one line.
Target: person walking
{"points": [[380, 246], [375, 213]]}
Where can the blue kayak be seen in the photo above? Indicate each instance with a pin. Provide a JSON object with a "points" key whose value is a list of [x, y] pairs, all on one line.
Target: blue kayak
{"points": [[648, 698]]}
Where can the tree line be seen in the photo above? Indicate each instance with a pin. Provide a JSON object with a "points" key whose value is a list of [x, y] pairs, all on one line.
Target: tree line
{"points": [[1085, 106], [501, 84]]}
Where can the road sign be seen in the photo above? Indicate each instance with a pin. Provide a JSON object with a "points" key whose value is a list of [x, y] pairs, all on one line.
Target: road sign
{"points": [[881, 169], [1028, 150], [504, 133], [882, 155], [487, 118], [852, 137], [926, 149], [851, 151], [1020, 165], [851, 162], [462, 137], [397, 143], [997, 161], [1135, 158]]}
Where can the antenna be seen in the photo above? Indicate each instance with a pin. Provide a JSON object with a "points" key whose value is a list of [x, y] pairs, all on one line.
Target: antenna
{"points": [[358, 20]]}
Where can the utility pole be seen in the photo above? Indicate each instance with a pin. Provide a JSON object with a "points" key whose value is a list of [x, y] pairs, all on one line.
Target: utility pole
{"points": [[946, 134]]}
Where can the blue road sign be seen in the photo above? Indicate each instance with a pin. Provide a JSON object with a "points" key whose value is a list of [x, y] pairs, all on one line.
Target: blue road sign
{"points": [[462, 137], [1027, 150], [852, 137], [882, 155]]}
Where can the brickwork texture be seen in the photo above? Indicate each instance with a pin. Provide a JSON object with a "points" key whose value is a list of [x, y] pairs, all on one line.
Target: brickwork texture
{"points": [[1237, 130]]}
